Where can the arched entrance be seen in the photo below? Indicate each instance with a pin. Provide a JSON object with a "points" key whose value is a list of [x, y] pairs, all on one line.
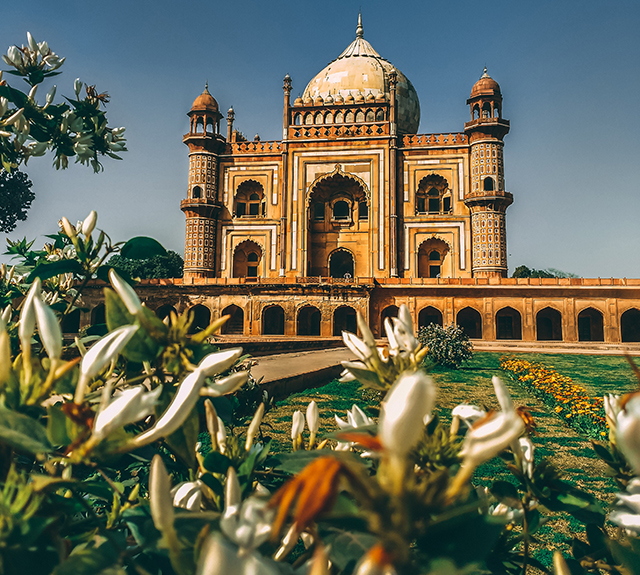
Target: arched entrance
{"points": [[470, 321], [630, 325], [165, 310], [341, 264], [431, 258], [344, 319], [590, 325], [429, 315], [338, 208], [98, 316], [246, 260], [388, 312], [201, 318], [273, 320], [235, 324], [508, 324], [549, 325], [308, 321]]}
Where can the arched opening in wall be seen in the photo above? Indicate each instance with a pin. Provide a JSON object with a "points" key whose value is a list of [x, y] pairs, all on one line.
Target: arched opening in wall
{"points": [[200, 316], [360, 117], [348, 118], [249, 200], [199, 126], [235, 323], [339, 118], [341, 210], [273, 320], [165, 310], [508, 324], [476, 112], [549, 325], [388, 312], [590, 325], [344, 319], [431, 257], [630, 325], [308, 119], [430, 193], [429, 315], [297, 119], [496, 112], [488, 184], [98, 316], [246, 260], [380, 116], [370, 116], [363, 211], [308, 320], [196, 192], [341, 264], [470, 321], [328, 118], [71, 322], [318, 118], [486, 110], [210, 126]]}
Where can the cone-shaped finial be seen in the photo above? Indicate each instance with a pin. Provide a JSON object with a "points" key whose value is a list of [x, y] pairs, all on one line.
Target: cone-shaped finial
{"points": [[484, 74], [359, 29]]}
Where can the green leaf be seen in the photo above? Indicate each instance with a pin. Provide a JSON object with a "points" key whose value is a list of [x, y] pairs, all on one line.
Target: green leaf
{"points": [[296, 461], [102, 273], [23, 433], [183, 441], [347, 547], [506, 493], [602, 452], [216, 462], [49, 269], [57, 426], [141, 248], [625, 556], [88, 561], [211, 481]]}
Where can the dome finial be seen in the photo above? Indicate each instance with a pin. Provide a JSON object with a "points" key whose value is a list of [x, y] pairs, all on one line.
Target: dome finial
{"points": [[485, 74], [206, 86], [359, 29]]}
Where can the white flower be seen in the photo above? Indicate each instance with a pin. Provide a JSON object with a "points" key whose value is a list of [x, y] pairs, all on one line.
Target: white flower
{"points": [[254, 426], [188, 495], [403, 412], [627, 433], [49, 328], [160, 499], [246, 523], [526, 455], [221, 557], [313, 417], [127, 294], [225, 385], [27, 324], [469, 414], [508, 513], [128, 406], [488, 438], [355, 418], [219, 362], [89, 223], [298, 426], [627, 508]]}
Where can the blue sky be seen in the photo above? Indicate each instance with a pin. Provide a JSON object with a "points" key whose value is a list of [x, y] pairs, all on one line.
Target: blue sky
{"points": [[569, 72]]}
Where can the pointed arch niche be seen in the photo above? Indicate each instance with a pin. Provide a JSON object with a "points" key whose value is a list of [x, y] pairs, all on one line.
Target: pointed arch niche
{"points": [[339, 211], [432, 258], [247, 260]]}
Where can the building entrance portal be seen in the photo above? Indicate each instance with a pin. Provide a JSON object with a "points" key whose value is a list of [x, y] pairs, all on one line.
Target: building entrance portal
{"points": [[341, 264]]}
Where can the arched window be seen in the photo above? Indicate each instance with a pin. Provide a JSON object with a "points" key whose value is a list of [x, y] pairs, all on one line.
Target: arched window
{"points": [[328, 118], [348, 119], [630, 325], [308, 119], [549, 325], [476, 112], [488, 184], [360, 117], [486, 110], [433, 195], [380, 116], [318, 118], [387, 313], [344, 319], [339, 118], [308, 321], [363, 211], [496, 112], [470, 321], [341, 210], [250, 200], [235, 323], [297, 119], [370, 116], [429, 196], [508, 324], [210, 126], [341, 264], [273, 320], [431, 256], [196, 192], [246, 260], [429, 315], [200, 318], [590, 325], [199, 126]]}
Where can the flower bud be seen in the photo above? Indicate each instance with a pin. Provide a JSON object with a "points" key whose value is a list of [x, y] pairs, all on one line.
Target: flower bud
{"points": [[50, 332], [254, 426], [51, 94], [298, 425], [32, 42], [89, 223], [28, 315], [404, 409], [68, 229], [77, 86], [160, 499], [219, 361], [127, 294]]}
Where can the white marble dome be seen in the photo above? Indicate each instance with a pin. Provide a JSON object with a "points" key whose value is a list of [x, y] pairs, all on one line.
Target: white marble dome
{"points": [[361, 70]]}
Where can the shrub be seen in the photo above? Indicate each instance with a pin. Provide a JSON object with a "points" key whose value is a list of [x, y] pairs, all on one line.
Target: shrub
{"points": [[448, 346]]}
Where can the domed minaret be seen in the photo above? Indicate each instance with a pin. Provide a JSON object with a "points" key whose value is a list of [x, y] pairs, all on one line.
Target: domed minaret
{"points": [[201, 206], [488, 201]]}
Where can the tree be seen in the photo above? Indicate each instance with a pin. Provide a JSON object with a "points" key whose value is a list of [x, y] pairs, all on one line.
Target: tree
{"points": [[525, 272], [169, 266], [15, 198]]}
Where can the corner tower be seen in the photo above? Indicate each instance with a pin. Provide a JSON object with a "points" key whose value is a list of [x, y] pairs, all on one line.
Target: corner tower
{"points": [[202, 205], [487, 199]]}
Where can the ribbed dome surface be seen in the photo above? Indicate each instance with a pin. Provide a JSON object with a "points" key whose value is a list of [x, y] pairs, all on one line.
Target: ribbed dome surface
{"points": [[485, 86], [360, 69], [205, 101]]}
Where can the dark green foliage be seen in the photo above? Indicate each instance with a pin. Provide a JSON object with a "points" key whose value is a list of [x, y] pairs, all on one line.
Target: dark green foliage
{"points": [[169, 266], [15, 198], [525, 272], [448, 346]]}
